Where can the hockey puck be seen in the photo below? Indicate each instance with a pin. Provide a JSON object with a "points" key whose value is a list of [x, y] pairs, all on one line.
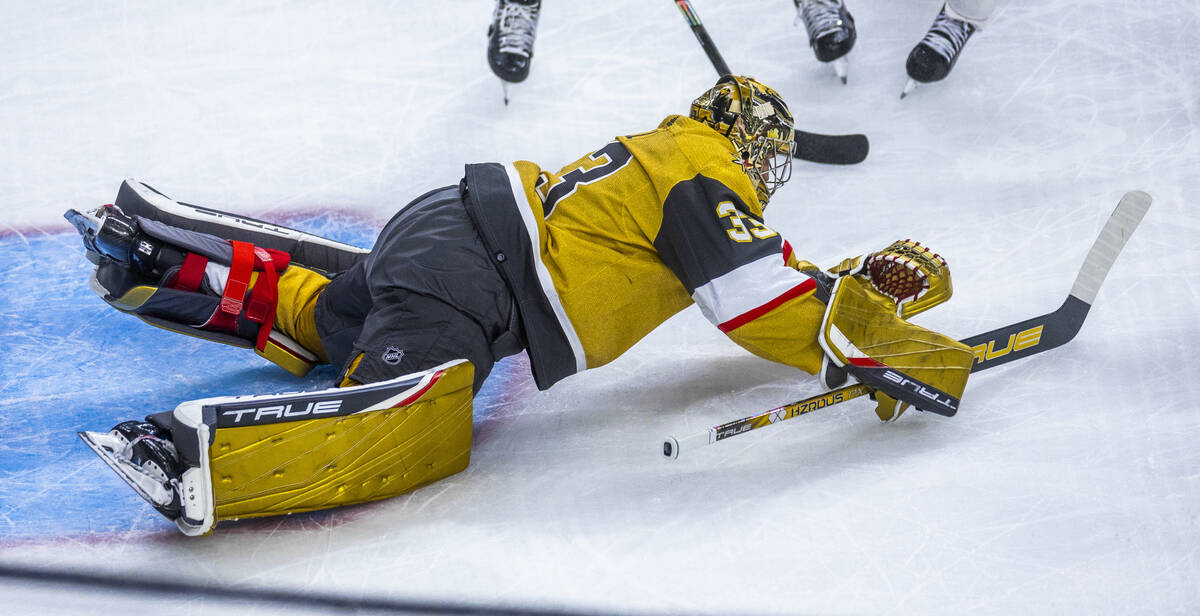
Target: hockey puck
{"points": [[670, 448]]}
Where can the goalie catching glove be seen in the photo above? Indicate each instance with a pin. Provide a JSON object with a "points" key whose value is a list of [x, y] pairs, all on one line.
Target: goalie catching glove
{"points": [[912, 276], [865, 334]]}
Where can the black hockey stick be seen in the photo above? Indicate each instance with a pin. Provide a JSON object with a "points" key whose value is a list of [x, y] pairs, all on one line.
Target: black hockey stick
{"points": [[993, 348], [831, 149], [813, 147]]}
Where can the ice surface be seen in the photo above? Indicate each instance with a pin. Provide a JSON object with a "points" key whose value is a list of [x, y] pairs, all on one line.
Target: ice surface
{"points": [[1069, 483]]}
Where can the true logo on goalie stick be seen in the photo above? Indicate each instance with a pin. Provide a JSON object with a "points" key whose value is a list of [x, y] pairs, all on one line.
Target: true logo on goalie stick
{"points": [[1016, 342], [734, 431]]}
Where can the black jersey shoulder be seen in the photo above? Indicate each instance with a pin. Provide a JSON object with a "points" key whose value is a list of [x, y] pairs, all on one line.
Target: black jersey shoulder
{"points": [[698, 240]]}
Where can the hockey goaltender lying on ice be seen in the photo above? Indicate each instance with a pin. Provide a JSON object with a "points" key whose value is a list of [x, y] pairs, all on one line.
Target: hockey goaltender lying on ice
{"points": [[572, 266]]}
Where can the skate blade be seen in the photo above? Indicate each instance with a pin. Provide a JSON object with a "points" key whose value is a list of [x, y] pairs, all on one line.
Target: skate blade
{"points": [[88, 225], [842, 68], [105, 445], [504, 86]]}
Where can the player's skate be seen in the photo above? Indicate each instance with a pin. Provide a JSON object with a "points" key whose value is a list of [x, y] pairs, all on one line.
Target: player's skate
{"points": [[831, 32], [933, 58], [203, 272], [510, 40]]}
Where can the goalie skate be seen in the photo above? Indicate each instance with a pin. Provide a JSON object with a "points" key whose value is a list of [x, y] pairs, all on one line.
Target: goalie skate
{"points": [[207, 273], [147, 462]]}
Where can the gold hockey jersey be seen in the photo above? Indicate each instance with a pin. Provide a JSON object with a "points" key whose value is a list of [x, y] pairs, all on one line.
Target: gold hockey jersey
{"points": [[627, 236]]}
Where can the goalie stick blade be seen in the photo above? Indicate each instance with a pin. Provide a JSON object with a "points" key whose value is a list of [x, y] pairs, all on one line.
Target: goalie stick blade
{"points": [[1054, 329], [831, 149], [1120, 225]]}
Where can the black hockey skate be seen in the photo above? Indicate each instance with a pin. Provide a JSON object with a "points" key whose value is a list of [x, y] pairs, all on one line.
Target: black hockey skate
{"points": [[932, 58], [143, 455], [831, 32], [124, 256], [510, 40], [142, 268], [109, 234]]}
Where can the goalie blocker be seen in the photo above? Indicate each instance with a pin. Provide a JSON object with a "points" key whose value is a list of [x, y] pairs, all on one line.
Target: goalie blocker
{"points": [[865, 334], [239, 457]]}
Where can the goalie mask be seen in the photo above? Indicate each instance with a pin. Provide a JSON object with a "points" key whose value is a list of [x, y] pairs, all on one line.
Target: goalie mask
{"points": [[758, 122]]}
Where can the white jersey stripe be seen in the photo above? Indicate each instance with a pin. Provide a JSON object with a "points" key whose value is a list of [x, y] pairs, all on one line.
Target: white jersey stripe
{"points": [[547, 283], [746, 288]]}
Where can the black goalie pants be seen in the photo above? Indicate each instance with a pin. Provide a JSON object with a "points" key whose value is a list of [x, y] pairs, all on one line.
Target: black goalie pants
{"points": [[427, 294]]}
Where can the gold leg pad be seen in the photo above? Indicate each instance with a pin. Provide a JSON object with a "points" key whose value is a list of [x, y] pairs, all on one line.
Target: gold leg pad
{"points": [[315, 464]]}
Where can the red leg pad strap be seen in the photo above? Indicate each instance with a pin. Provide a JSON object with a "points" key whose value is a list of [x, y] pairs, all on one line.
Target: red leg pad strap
{"points": [[260, 306], [190, 274], [264, 297]]}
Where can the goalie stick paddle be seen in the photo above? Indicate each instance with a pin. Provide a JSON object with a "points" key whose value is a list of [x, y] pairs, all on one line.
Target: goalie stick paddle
{"points": [[813, 147], [993, 348]]}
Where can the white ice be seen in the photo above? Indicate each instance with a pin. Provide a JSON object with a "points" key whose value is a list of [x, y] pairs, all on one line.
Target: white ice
{"points": [[1068, 483]]}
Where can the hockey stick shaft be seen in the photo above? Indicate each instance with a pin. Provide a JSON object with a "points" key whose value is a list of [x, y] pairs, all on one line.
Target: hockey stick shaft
{"points": [[999, 346], [813, 147], [672, 445], [706, 42]]}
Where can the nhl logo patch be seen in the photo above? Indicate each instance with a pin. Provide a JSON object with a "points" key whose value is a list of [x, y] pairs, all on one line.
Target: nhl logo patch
{"points": [[392, 355]]}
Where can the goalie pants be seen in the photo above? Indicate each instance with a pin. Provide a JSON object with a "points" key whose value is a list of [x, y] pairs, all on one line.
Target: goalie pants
{"points": [[427, 293]]}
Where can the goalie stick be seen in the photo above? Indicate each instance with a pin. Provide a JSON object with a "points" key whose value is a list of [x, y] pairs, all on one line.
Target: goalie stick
{"points": [[992, 348], [813, 147]]}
